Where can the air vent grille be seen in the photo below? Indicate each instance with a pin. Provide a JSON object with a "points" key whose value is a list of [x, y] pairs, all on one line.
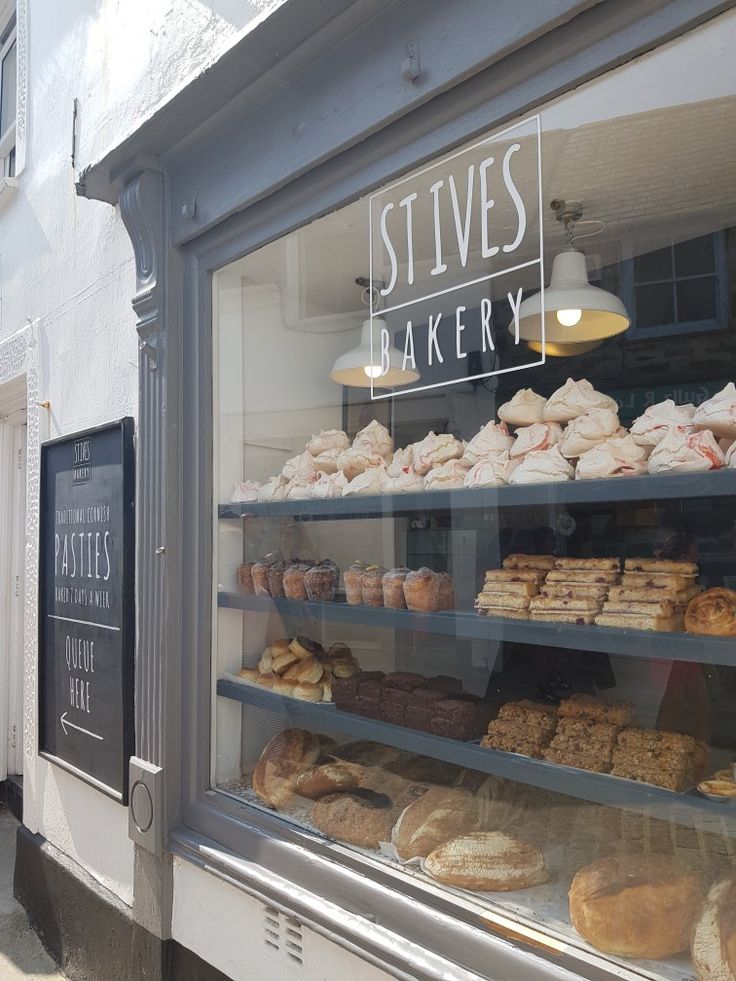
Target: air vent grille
{"points": [[282, 935]]}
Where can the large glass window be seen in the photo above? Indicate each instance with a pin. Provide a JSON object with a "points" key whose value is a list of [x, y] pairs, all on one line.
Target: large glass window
{"points": [[475, 568]]}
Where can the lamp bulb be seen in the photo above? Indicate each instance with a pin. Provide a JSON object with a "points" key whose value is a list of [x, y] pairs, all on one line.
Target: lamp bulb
{"points": [[568, 318], [372, 370]]}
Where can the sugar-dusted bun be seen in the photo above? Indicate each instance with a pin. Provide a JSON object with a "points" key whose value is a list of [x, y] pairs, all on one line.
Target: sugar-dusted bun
{"points": [[373, 585], [636, 906], [713, 946], [487, 861], [439, 814], [420, 590], [244, 578], [276, 579], [281, 762], [259, 573], [393, 588], [353, 577], [328, 778], [445, 592], [321, 582], [293, 581]]}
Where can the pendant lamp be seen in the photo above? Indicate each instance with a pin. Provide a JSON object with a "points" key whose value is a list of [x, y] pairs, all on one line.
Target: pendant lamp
{"points": [[356, 370]]}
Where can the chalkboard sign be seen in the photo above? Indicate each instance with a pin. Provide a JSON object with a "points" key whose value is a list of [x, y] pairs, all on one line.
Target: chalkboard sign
{"points": [[86, 605]]}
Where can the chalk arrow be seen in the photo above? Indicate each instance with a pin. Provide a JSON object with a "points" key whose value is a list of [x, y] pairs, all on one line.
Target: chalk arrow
{"points": [[65, 722]]}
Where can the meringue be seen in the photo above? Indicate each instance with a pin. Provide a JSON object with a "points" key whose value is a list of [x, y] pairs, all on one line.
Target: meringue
{"points": [[575, 398], [354, 461], [619, 456], [538, 436], [245, 491], [587, 431], [299, 467], [491, 472], [273, 490], [541, 467], [731, 455], [328, 440], [370, 481], [524, 409], [323, 484], [435, 449], [447, 475], [327, 460], [401, 460], [492, 438], [375, 439], [718, 413], [652, 427], [406, 481], [687, 453]]}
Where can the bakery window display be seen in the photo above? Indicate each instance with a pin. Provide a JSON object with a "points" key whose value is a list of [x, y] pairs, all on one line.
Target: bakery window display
{"points": [[301, 668]]}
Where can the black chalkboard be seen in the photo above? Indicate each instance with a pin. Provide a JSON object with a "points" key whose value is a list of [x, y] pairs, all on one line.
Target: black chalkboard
{"points": [[86, 605]]}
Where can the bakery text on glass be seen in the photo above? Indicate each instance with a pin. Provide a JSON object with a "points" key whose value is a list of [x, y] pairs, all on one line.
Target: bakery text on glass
{"points": [[456, 247]]}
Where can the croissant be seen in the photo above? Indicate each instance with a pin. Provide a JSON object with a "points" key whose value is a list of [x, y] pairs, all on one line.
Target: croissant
{"points": [[712, 612]]}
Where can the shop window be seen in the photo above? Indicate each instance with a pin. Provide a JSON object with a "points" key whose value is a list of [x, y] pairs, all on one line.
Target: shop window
{"points": [[8, 96]]}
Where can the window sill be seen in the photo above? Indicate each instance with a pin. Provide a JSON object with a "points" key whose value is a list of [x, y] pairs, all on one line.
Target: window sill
{"points": [[8, 191]]}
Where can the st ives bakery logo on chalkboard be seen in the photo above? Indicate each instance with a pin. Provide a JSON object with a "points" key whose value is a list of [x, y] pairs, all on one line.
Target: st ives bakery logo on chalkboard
{"points": [[82, 461], [454, 251]]}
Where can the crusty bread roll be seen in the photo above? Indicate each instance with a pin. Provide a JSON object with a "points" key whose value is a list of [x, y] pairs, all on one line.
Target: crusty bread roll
{"points": [[328, 779], [361, 817], [281, 762], [439, 814], [487, 861], [714, 938], [636, 906]]}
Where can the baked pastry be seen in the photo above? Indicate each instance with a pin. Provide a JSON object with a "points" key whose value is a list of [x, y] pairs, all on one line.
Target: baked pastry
{"points": [[273, 490], [618, 456], [435, 449], [713, 947], [445, 592], [283, 661], [493, 438], [250, 674], [328, 440], [375, 440], [539, 436], [305, 648], [518, 560], [524, 409], [393, 588], [372, 480], [372, 586], [617, 712], [245, 491], [679, 568], [439, 814], [718, 414], [281, 762], [259, 573], [687, 453], [321, 582], [541, 467], [420, 590], [587, 431], [366, 753], [447, 475], [276, 579], [328, 778], [487, 861], [713, 613], [361, 817], [573, 399], [244, 578], [652, 427], [636, 906], [353, 577], [491, 472], [293, 581]]}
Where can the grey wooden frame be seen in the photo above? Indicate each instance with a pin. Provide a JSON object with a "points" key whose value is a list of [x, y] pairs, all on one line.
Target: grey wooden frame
{"points": [[192, 209]]}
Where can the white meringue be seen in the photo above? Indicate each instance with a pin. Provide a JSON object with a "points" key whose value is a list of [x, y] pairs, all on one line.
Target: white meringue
{"points": [[491, 472], [718, 413], [573, 399], [273, 490], [731, 455], [538, 436], [687, 453], [541, 467], [327, 460], [492, 438], [618, 456], [354, 461], [524, 409], [328, 440], [299, 467], [402, 459], [587, 431], [652, 427], [435, 449], [245, 491], [322, 485], [371, 481], [375, 439], [447, 475], [406, 481]]}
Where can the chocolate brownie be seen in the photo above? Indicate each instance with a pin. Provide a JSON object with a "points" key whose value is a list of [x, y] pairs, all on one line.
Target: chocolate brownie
{"points": [[444, 682], [369, 707], [459, 711], [418, 718], [396, 696], [343, 688], [453, 728], [426, 698], [405, 680], [370, 688], [393, 713]]}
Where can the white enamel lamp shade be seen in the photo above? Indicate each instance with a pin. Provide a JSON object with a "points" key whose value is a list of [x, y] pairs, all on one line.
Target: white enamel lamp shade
{"points": [[355, 368]]}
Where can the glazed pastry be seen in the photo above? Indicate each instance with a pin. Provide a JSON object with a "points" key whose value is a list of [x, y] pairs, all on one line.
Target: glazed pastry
{"points": [[420, 590], [686, 453], [406, 481], [493, 438], [538, 436], [375, 440], [293, 581], [487, 861], [575, 398], [371, 481], [587, 431], [445, 592], [619, 456], [491, 472], [299, 467], [652, 427], [393, 588], [353, 577], [328, 440], [402, 459], [447, 475], [321, 582], [541, 467], [245, 491], [259, 572], [244, 578], [524, 409], [713, 613], [718, 414], [372, 585], [435, 449], [273, 490], [328, 461]]}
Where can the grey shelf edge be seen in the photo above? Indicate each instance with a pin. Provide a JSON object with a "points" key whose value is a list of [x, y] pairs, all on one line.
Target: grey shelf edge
{"points": [[640, 644], [597, 787], [713, 483]]}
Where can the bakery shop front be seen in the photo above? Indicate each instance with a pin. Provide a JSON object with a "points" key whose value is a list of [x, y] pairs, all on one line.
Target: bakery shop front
{"points": [[437, 570]]}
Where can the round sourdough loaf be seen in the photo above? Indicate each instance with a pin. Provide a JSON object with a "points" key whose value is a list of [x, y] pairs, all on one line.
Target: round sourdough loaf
{"points": [[360, 817], [487, 861], [281, 762], [439, 814], [636, 906], [714, 939]]}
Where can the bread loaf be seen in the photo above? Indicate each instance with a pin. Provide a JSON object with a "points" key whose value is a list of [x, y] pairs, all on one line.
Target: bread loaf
{"points": [[439, 814], [361, 817], [714, 938], [635, 906], [327, 779], [281, 762], [487, 861]]}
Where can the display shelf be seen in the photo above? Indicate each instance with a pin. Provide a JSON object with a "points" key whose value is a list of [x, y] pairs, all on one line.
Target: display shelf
{"points": [[641, 644], [714, 483], [600, 788]]}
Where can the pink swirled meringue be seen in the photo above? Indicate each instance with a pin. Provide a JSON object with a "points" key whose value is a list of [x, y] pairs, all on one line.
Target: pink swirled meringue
{"points": [[687, 453], [447, 475], [718, 413], [653, 425], [299, 467], [354, 461], [491, 472], [524, 409], [573, 399], [375, 439], [273, 490], [371, 481], [492, 438], [587, 431], [435, 449], [731, 455], [402, 459], [618, 456], [327, 460], [322, 485], [328, 440], [541, 467], [538, 436], [406, 481], [245, 491]]}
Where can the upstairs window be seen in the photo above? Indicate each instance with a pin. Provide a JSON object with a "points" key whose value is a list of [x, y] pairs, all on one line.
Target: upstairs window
{"points": [[8, 96]]}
